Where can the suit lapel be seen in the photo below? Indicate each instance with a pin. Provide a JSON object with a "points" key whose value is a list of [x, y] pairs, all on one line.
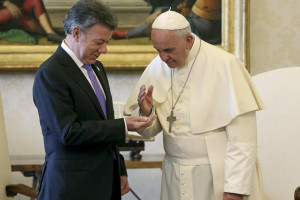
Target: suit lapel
{"points": [[76, 74]]}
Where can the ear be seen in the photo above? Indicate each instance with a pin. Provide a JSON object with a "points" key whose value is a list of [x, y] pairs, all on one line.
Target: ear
{"points": [[76, 33], [189, 41]]}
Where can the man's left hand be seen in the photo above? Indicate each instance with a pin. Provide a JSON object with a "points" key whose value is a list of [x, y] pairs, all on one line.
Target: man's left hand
{"points": [[124, 185], [232, 196]]}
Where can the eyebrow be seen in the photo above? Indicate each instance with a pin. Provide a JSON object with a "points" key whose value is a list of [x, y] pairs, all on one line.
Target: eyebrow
{"points": [[169, 49], [101, 40], [166, 49]]}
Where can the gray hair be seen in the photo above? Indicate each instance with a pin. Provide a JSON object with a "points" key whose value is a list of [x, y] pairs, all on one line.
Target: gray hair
{"points": [[86, 13], [183, 32]]}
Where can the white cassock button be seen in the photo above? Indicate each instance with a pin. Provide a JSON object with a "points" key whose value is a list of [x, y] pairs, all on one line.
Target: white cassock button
{"points": [[183, 193], [183, 183], [182, 173]]}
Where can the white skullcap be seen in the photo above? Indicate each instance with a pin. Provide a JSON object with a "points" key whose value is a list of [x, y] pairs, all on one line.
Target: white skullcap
{"points": [[170, 20]]}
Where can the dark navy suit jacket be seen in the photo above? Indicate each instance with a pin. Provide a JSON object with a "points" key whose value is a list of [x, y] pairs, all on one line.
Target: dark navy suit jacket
{"points": [[79, 141]]}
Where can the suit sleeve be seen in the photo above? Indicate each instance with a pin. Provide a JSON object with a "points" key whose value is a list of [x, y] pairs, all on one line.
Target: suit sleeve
{"points": [[123, 171], [75, 122]]}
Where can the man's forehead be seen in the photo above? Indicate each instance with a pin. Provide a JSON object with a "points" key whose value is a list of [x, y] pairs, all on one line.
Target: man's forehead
{"points": [[161, 33], [163, 36], [164, 45], [98, 31]]}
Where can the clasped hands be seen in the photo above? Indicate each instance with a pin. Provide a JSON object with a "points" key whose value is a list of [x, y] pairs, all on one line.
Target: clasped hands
{"points": [[145, 102]]}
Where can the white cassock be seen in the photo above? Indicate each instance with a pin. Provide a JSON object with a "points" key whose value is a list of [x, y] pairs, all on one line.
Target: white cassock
{"points": [[212, 146]]}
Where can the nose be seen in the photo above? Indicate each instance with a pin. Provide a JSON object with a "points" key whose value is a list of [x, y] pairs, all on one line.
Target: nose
{"points": [[164, 57], [103, 48]]}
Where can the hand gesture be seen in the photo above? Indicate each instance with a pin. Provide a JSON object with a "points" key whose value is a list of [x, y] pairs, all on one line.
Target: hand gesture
{"points": [[12, 8], [145, 100], [138, 124]]}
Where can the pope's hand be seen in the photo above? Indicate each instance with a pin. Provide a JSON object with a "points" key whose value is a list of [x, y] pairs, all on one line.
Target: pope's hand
{"points": [[232, 196], [138, 124], [145, 100]]}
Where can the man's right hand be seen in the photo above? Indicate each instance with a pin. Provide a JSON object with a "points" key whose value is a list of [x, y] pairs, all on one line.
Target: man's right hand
{"points": [[145, 100], [138, 124]]}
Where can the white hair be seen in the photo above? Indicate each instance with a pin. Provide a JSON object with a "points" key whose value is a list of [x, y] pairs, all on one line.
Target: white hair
{"points": [[183, 32]]}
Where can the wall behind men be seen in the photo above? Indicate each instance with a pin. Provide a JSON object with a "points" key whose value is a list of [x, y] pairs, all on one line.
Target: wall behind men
{"points": [[274, 34], [274, 43]]}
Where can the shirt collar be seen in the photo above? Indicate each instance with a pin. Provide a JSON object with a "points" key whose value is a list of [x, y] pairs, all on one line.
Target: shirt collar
{"points": [[72, 54]]}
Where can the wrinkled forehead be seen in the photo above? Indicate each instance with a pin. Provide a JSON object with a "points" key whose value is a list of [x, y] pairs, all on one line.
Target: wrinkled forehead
{"points": [[163, 40], [162, 31], [159, 34]]}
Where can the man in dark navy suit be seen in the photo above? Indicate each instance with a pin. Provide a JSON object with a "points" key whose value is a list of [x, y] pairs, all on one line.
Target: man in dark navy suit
{"points": [[72, 95]]}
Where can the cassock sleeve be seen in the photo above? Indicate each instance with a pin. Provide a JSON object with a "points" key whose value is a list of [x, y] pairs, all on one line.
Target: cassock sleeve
{"points": [[240, 154]]}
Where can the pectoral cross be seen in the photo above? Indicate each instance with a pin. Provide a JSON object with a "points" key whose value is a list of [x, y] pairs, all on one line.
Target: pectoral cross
{"points": [[171, 119]]}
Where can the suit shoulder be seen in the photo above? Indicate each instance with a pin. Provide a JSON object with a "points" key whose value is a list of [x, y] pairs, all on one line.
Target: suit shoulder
{"points": [[51, 63], [50, 68]]}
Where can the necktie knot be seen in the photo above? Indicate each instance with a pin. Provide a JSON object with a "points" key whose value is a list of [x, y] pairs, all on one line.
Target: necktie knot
{"points": [[87, 67]]}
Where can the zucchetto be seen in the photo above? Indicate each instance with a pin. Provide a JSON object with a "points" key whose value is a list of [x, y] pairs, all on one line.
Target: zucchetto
{"points": [[170, 20]]}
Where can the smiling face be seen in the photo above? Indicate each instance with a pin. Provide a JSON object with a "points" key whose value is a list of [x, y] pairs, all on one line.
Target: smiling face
{"points": [[173, 49], [91, 43]]}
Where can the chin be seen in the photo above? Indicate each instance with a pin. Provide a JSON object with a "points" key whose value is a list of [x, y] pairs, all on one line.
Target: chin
{"points": [[172, 66], [92, 62]]}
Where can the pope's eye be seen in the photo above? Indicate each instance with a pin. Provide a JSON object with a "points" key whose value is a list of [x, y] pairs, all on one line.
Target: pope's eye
{"points": [[99, 43]]}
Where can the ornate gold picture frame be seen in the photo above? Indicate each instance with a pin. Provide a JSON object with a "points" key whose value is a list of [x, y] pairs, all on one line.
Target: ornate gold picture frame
{"points": [[134, 58]]}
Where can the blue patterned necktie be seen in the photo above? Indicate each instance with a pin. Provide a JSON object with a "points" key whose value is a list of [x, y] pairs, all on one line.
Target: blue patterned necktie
{"points": [[97, 88]]}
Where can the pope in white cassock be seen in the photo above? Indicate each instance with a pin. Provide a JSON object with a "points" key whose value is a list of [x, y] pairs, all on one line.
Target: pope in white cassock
{"points": [[205, 104]]}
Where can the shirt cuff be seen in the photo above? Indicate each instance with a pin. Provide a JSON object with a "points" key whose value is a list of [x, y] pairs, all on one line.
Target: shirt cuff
{"points": [[126, 131]]}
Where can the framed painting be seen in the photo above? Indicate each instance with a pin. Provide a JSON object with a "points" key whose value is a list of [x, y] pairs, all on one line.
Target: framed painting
{"points": [[130, 57]]}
